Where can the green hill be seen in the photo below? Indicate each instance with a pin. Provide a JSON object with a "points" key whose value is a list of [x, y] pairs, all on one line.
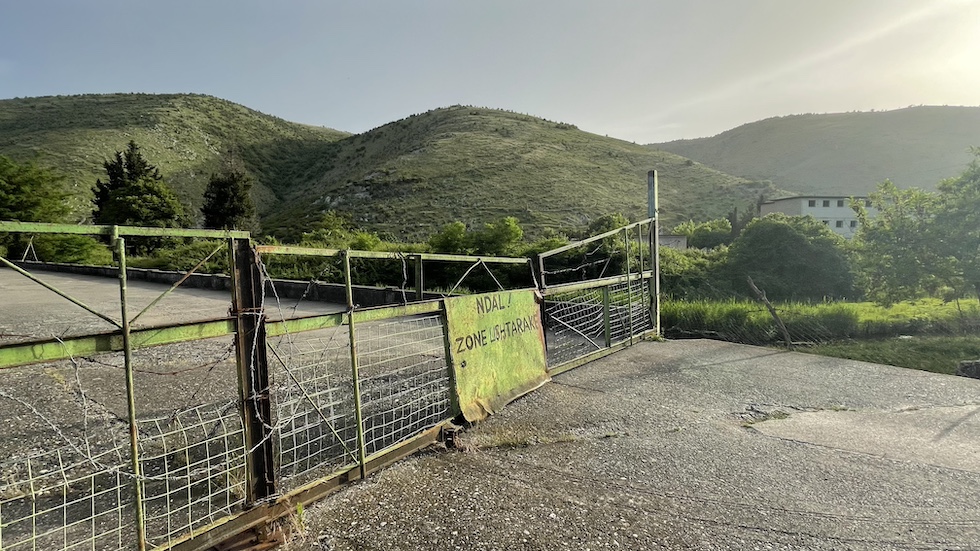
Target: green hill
{"points": [[405, 179], [410, 177], [844, 153], [185, 135]]}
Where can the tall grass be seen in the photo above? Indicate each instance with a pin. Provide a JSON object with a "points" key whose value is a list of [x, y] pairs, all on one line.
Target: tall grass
{"points": [[749, 322]]}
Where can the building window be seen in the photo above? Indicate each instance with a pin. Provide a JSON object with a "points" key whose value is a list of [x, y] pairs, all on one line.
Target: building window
{"points": [[840, 202], [840, 223], [854, 223], [812, 203], [826, 222], [826, 202]]}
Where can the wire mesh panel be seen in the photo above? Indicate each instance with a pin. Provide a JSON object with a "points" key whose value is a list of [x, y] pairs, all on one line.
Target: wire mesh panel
{"points": [[629, 309], [313, 402], [67, 498], [574, 324], [191, 436], [404, 378], [193, 464], [65, 480]]}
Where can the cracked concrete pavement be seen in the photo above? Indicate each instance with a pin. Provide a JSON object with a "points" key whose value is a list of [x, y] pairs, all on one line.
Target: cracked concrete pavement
{"points": [[689, 445]]}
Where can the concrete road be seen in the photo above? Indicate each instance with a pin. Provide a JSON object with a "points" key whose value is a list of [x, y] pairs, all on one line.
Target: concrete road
{"points": [[28, 310], [689, 445]]}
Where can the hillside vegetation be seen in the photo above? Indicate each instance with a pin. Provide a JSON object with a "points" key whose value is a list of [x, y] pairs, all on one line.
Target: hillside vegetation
{"points": [[844, 153], [185, 135], [405, 179], [408, 178]]}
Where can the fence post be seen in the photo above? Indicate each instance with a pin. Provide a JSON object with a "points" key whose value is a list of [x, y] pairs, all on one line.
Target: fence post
{"points": [[358, 413], [419, 278], [607, 315], [134, 448], [653, 211], [629, 285], [253, 369]]}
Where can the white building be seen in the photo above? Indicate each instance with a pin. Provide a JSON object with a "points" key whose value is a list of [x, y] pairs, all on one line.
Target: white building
{"points": [[835, 212]]}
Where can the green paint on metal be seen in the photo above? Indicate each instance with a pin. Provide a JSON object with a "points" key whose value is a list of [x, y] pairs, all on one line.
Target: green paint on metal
{"points": [[295, 251], [304, 251], [49, 350], [298, 325], [388, 312], [496, 344], [116, 231]]}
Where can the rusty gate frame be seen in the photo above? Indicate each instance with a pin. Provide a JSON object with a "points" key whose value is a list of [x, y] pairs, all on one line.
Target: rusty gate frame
{"points": [[248, 324]]}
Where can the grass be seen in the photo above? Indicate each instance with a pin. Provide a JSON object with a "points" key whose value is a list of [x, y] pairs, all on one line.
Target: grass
{"points": [[936, 354], [405, 179], [186, 135], [408, 178], [925, 334], [844, 153]]}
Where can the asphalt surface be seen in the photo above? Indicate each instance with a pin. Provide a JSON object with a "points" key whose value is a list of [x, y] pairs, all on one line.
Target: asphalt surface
{"points": [[689, 445], [29, 311]]}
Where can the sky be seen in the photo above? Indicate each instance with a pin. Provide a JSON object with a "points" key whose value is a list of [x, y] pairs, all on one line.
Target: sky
{"points": [[641, 70]]}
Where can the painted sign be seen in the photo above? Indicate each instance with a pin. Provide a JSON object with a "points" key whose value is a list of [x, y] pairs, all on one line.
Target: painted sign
{"points": [[497, 349]]}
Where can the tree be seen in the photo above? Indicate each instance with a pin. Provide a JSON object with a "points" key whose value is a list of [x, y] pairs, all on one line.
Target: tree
{"points": [[957, 225], [706, 235], [896, 250], [500, 238], [227, 201], [30, 193], [452, 239], [135, 193], [791, 258]]}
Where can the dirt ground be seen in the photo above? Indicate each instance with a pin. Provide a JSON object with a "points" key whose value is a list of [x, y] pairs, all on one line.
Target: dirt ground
{"points": [[689, 445]]}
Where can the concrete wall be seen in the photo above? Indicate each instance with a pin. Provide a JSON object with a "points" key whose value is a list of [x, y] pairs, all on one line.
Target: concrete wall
{"points": [[835, 212], [364, 296]]}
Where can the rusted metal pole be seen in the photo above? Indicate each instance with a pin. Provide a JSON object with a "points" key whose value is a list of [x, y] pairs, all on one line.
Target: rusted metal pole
{"points": [[134, 449], [253, 370]]}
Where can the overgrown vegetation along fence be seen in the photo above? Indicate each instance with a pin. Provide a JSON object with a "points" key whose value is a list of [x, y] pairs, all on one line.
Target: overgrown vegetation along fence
{"points": [[927, 334], [123, 435]]}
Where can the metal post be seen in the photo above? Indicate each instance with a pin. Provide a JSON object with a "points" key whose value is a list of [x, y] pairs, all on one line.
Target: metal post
{"points": [[541, 272], [134, 448], [253, 370], [629, 286], [358, 413], [653, 211], [419, 281], [607, 315]]}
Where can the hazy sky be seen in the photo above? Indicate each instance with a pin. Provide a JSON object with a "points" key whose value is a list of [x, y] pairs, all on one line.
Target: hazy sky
{"points": [[644, 70]]}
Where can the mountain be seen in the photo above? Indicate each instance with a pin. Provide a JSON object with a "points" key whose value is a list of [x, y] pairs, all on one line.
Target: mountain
{"points": [[410, 177], [185, 135], [843, 153], [405, 179]]}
